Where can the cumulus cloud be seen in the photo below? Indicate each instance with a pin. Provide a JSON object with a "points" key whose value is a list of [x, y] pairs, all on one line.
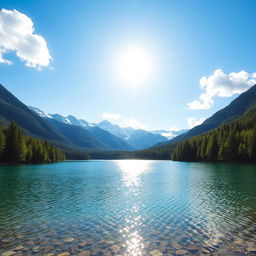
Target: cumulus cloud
{"points": [[222, 85], [131, 122], [123, 121], [192, 121], [110, 116], [17, 35], [168, 135]]}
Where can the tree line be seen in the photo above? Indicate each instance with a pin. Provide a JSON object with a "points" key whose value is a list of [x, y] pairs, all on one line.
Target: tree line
{"points": [[16, 147], [234, 141]]}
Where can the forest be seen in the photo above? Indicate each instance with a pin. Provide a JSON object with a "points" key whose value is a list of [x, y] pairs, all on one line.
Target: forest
{"points": [[16, 147], [234, 141]]}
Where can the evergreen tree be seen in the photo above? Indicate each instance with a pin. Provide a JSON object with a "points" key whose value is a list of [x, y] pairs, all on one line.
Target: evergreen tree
{"points": [[15, 144], [212, 148], [2, 142], [16, 147]]}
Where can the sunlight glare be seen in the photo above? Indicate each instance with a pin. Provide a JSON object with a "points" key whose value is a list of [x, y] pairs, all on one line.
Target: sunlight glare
{"points": [[134, 65], [132, 170]]}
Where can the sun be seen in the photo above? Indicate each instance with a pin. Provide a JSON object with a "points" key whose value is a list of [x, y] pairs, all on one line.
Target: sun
{"points": [[134, 65]]}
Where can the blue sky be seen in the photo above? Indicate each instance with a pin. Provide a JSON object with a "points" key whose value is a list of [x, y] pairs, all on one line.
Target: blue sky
{"points": [[186, 40]]}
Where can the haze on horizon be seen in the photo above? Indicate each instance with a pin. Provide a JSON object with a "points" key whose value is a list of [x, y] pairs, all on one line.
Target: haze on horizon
{"points": [[144, 64]]}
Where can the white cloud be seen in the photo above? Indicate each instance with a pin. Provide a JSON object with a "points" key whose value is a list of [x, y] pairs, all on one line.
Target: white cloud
{"points": [[192, 122], [222, 85], [110, 116], [168, 135], [123, 121], [17, 35], [131, 122]]}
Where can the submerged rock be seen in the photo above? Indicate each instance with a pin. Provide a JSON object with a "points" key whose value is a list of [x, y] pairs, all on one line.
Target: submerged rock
{"points": [[18, 248], [251, 249], [156, 253], [57, 243], [69, 240], [8, 253], [115, 248], [239, 242], [64, 254], [181, 252], [110, 242], [84, 253], [82, 243]]}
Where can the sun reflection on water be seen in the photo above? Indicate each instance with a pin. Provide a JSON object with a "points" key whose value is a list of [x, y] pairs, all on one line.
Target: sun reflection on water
{"points": [[132, 171], [131, 233]]}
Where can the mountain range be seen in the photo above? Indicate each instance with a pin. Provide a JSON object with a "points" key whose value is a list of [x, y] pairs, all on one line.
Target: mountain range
{"points": [[71, 133], [237, 118], [126, 138], [235, 109]]}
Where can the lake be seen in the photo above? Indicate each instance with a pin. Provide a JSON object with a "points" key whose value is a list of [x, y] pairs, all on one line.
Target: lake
{"points": [[128, 207]]}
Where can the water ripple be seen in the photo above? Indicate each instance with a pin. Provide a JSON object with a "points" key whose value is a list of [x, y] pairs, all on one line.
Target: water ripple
{"points": [[129, 208]]}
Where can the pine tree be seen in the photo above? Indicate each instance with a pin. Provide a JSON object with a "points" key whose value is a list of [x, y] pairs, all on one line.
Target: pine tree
{"points": [[2, 142], [212, 149], [15, 144]]}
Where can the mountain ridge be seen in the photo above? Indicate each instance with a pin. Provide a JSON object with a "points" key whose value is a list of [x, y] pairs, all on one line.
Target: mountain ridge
{"points": [[131, 138], [33, 124], [234, 109]]}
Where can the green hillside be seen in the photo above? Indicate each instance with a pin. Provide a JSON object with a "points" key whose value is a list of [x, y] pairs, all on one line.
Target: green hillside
{"points": [[16, 147], [234, 141], [235, 109]]}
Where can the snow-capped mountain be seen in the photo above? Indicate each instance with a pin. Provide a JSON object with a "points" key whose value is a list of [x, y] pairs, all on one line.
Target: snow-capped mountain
{"points": [[83, 134], [125, 133], [136, 138], [40, 112], [64, 119], [114, 129]]}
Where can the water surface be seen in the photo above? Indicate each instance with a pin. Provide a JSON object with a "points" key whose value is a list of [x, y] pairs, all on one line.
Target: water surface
{"points": [[128, 207]]}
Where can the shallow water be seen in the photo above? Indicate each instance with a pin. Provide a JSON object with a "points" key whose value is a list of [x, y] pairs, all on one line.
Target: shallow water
{"points": [[128, 207]]}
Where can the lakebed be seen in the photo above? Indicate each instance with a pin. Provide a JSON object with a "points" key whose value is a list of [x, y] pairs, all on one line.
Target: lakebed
{"points": [[128, 207]]}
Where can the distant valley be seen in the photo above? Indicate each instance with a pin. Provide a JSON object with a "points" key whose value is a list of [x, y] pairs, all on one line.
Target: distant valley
{"points": [[126, 138], [73, 134], [107, 140]]}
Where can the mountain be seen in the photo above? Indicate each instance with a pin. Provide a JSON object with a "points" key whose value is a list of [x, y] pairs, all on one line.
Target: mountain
{"points": [[84, 134], [67, 120], [137, 138], [228, 135], [141, 139], [38, 124], [235, 141], [109, 140], [78, 136], [71, 133], [12, 109], [235, 109], [110, 136], [113, 129]]}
